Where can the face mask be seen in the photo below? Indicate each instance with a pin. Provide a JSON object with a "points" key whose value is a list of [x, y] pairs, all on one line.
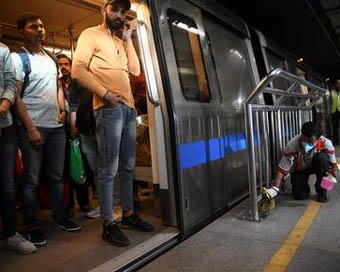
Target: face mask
{"points": [[308, 147]]}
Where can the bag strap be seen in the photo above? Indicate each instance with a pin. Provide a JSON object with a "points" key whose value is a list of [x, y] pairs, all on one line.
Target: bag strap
{"points": [[26, 64]]}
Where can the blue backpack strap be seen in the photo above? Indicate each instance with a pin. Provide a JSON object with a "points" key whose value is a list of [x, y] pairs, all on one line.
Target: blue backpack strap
{"points": [[26, 64]]}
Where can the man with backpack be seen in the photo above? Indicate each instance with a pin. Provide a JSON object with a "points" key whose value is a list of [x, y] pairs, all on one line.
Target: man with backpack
{"points": [[40, 129]]}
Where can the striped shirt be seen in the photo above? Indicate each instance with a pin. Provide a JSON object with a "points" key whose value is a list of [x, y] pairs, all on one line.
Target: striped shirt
{"points": [[296, 159]]}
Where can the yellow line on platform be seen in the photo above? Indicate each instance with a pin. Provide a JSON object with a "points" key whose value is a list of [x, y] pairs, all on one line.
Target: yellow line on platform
{"points": [[286, 252]]}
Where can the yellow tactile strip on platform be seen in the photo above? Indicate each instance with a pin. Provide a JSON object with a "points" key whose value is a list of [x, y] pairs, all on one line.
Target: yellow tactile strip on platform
{"points": [[286, 252]]}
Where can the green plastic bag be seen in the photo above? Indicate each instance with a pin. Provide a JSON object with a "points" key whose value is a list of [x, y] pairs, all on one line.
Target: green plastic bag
{"points": [[77, 169]]}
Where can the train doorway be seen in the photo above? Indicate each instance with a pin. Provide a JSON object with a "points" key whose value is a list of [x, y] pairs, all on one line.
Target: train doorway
{"points": [[153, 188]]}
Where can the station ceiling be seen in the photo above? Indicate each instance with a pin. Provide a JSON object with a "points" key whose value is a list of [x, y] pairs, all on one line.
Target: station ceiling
{"points": [[308, 28]]}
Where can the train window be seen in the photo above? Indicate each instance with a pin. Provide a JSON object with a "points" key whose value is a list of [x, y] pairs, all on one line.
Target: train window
{"points": [[189, 57], [274, 62], [232, 62]]}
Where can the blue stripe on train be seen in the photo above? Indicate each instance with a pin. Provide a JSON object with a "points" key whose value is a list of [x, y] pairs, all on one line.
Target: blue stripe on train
{"points": [[201, 152]]}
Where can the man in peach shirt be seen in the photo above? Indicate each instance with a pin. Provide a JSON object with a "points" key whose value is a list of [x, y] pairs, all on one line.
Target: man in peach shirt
{"points": [[104, 58]]}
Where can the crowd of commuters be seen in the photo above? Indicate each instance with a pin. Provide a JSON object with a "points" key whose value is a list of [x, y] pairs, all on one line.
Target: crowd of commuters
{"points": [[46, 101]]}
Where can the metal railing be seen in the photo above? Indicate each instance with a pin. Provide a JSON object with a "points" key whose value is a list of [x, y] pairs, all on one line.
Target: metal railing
{"points": [[270, 127]]}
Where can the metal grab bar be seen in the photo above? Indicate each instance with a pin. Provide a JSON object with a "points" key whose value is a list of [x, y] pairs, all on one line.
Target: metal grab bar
{"points": [[286, 120], [279, 73], [147, 63]]}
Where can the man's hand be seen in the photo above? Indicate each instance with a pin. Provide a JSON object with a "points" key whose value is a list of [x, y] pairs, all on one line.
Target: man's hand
{"points": [[35, 137], [272, 192], [127, 31], [111, 99], [62, 117], [4, 107], [333, 169]]}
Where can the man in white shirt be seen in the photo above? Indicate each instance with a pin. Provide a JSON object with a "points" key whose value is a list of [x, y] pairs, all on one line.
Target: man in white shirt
{"points": [[41, 133]]}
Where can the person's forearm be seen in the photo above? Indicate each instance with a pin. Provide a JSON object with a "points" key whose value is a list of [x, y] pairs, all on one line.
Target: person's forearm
{"points": [[278, 178], [23, 114], [84, 78], [73, 119], [133, 61], [21, 109], [61, 98]]}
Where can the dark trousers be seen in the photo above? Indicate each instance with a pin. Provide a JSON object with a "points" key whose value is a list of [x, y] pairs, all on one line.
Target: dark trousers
{"points": [[335, 123], [8, 150], [50, 159], [299, 180]]}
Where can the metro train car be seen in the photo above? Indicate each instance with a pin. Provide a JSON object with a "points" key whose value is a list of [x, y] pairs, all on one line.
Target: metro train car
{"points": [[199, 65]]}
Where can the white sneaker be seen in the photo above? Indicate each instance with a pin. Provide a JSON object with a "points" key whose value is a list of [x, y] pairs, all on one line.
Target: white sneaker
{"points": [[19, 244], [117, 213], [94, 213]]}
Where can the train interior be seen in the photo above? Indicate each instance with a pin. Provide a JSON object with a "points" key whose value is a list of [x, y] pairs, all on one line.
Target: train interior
{"points": [[86, 250]]}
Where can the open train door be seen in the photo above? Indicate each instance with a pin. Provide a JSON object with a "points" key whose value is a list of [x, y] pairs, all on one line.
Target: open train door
{"points": [[192, 96]]}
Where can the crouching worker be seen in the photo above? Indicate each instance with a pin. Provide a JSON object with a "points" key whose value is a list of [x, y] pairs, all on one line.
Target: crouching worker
{"points": [[306, 154]]}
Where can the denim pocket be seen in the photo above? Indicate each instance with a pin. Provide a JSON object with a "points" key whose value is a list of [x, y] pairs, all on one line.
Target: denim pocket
{"points": [[111, 107]]}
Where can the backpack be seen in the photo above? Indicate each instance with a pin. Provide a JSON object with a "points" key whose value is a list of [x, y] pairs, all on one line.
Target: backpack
{"points": [[26, 64]]}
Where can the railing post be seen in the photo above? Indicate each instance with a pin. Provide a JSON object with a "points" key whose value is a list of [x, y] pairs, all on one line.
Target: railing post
{"points": [[259, 148], [266, 147], [253, 214]]}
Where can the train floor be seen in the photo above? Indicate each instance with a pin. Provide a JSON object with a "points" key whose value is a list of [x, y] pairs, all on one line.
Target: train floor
{"points": [[297, 236], [81, 251]]}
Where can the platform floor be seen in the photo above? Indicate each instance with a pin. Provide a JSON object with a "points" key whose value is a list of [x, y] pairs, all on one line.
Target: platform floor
{"points": [[276, 244], [76, 252]]}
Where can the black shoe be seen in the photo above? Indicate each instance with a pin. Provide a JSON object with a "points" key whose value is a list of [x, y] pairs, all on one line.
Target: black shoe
{"points": [[67, 225], [114, 235], [323, 197], [36, 237], [134, 222]]}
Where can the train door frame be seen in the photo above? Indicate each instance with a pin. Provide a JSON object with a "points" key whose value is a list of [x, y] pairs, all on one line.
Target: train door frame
{"points": [[194, 209], [156, 101]]}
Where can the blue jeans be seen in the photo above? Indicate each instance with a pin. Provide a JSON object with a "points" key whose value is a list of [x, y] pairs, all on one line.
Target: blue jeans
{"points": [[50, 157], [116, 139], [90, 151], [8, 151], [88, 145]]}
